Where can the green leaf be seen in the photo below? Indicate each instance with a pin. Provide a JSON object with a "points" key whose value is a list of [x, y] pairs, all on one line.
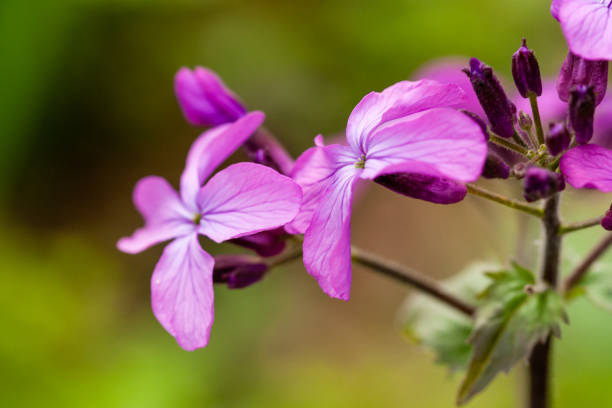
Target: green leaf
{"points": [[515, 316], [440, 328]]}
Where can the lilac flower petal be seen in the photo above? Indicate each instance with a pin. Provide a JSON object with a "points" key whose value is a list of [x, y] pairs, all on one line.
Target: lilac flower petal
{"points": [[554, 8], [588, 166], [204, 98], [182, 292], [401, 99], [446, 139], [246, 198], [327, 246], [165, 215], [211, 149], [314, 171], [421, 181], [449, 71], [587, 26]]}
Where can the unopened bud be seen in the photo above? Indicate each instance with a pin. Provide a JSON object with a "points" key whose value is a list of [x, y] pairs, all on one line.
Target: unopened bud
{"points": [[558, 138], [541, 183], [606, 221], [238, 271], [525, 121], [265, 243], [495, 167], [526, 71], [500, 111], [582, 112], [577, 71]]}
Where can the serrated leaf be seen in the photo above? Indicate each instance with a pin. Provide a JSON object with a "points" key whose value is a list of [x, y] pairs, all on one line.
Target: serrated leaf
{"points": [[440, 328], [508, 326]]}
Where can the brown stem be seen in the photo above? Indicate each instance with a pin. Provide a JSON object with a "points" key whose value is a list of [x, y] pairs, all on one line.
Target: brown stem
{"points": [[582, 268], [577, 226], [411, 277], [539, 367]]}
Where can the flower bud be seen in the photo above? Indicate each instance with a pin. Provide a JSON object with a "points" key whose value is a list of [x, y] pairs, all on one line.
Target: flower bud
{"points": [[479, 122], [500, 111], [541, 183], [582, 112], [578, 71], [519, 170], [238, 271], [265, 243], [558, 138], [526, 71], [606, 221], [495, 167], [204, 98], [525, 122]]}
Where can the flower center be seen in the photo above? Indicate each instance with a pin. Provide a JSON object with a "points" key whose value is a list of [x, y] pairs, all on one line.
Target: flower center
{"points": [[197, 218], [360, 164]]}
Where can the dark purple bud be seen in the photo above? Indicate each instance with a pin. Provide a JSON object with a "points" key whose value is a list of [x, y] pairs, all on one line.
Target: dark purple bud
{"points": [[606, 221], [578, 71], [265, 243], [558, 138], [526, 71], [500, 111], [582, 112], [525, 122], [479, 122], [495, 167], [541, 183], [264, 148], [238, 271], [426, 187]]}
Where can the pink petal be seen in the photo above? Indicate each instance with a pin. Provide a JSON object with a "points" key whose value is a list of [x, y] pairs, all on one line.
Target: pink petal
{"points": [[588, 166], [554, 8], [165, 215], [403, 98], [246, 198], [204, 98], [314, 171], [447, 140], [587, 25], [182, 292], [448, 71], [211, 149], [421, 181], [327, 246]]}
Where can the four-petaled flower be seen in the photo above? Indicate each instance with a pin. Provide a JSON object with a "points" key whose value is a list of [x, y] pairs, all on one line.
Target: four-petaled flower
{"points": [[240, 200], [406, 138]]}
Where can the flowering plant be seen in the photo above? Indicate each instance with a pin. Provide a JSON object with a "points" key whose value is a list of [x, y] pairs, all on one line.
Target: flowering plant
{"points": [[429, 139]]}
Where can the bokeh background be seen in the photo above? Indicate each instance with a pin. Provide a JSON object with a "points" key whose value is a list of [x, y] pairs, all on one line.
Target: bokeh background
{"points": [[87, 108]]}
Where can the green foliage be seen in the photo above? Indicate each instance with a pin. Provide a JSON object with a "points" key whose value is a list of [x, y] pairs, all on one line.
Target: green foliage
{"points": [[440, 328], [515, 315]]}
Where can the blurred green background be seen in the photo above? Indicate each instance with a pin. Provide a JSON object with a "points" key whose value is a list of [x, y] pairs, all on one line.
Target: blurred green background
{"points": [[87, 108]]}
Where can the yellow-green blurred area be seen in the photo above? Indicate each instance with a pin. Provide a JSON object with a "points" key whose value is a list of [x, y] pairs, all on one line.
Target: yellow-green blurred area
{"points": [[87, 108]]}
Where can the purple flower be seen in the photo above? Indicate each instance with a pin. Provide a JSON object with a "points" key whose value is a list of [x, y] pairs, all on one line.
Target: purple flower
{"points": [[204, 98], [588, 166], [407, 138], [582, 112], [243, 199], [577, 71], [587, 26], [526, 71]]}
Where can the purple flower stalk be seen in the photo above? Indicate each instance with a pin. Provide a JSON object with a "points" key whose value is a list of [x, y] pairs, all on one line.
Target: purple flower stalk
{"points": [[407, 138], [577, 71], [526, 71], [500, 111], [204, 98], [240, 200], [582, 112], [587, 26]]}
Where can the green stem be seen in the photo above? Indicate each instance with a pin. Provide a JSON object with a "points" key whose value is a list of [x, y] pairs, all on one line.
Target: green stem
{"points": [[508, 202], [577, 226], [411, 277], [535, 110], [498, 140]]}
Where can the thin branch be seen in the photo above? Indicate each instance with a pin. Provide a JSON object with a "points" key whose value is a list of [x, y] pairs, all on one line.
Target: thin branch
{"points": [[508, 202], [411, 277], [577, 226], [574, 278]]}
